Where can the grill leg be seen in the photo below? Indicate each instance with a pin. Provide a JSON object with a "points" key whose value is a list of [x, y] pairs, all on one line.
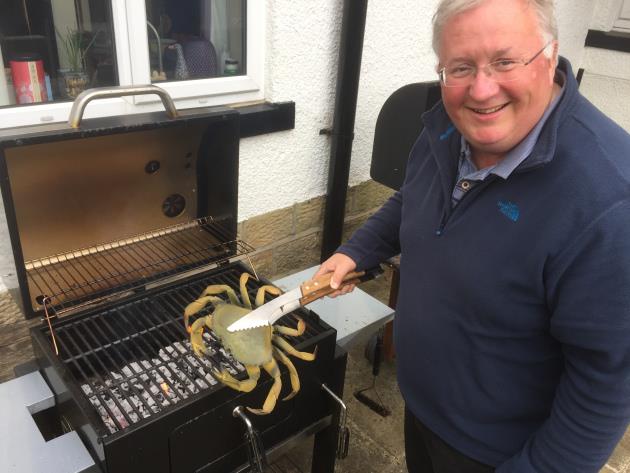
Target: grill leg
{"points": [[325, 443]]}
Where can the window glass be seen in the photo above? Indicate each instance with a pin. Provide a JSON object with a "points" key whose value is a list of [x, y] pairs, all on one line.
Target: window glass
{"points": [[195, 39], [51, 50]]}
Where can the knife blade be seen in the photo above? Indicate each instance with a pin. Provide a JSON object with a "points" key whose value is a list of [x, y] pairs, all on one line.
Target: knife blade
{"points": [[305, 293]]}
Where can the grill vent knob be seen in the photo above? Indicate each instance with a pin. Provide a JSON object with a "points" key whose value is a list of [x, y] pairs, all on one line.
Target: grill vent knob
{"points": [[152, 167], [174, 205]]}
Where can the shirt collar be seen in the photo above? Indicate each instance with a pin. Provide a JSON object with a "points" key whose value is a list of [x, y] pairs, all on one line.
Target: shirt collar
{"points": [[516, 155]]}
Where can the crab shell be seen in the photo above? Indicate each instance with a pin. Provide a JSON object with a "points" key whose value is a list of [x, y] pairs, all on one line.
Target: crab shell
{"points": [[250, 347]]}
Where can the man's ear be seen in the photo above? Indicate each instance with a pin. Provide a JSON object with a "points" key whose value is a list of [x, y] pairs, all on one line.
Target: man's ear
{"points": [[554, 55], [553, 60]]}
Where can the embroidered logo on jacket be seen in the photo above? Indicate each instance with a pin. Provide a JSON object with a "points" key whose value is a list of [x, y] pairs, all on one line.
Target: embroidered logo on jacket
{"points": [[447, 133], [509, 209]]}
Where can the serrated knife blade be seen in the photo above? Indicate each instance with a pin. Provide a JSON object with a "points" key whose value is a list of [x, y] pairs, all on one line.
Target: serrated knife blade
{"points": [[269, 312], [308, 291]]}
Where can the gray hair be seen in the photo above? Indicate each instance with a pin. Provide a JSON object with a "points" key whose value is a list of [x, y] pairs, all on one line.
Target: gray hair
{"points": [[449, 8]]}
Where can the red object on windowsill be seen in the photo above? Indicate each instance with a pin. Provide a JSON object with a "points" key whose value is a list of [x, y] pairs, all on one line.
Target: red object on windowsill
{"points": [[29, 81]]}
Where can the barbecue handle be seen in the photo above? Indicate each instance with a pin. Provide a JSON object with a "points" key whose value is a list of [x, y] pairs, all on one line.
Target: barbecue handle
{"points": [[319, 287], [85, 97]]}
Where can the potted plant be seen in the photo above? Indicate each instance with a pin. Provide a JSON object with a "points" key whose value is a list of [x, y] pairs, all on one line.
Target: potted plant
{"points": [[75, 48]]}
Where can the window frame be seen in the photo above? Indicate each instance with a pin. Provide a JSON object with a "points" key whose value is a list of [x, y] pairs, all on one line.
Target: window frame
{"points": [[622, 21], [129, 26]]}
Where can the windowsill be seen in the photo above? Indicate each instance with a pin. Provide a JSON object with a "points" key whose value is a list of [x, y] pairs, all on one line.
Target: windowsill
{"points": [[613, 41], [267, 117]]}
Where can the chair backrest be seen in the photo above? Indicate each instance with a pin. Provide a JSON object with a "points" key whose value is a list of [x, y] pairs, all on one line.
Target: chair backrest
{"points": [[201, 58], [397, 128]]}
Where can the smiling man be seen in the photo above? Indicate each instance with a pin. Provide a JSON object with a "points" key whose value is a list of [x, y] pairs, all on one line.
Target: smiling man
{"points": [[512, 326], [493, 95]]}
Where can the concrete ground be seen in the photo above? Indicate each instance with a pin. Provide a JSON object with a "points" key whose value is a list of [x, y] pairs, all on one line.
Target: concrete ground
{"points": [[376, 443]]}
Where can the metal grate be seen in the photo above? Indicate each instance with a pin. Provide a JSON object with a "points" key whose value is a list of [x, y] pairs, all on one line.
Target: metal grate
{"points": [[134, 360], [91, 274]]}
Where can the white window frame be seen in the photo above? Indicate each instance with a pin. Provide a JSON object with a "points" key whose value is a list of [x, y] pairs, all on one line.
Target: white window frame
{"points": [[622, 22], [129, 24]]}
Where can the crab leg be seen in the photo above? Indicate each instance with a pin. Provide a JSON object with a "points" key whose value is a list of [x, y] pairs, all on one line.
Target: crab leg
{"points": [[302, 355], [220, 289], [196, 334], [292, 332], [243, 287], [246, 385], [295, 379], [260, 295], [270, 367], [196, 306], [208, 295]]}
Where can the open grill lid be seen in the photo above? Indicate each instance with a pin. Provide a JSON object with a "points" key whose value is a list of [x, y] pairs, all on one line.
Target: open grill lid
{"points": [[117, 203]]}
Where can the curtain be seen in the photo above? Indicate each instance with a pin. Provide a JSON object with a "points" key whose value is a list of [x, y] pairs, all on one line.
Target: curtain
{"points": [[219, 30], [4, 91]]}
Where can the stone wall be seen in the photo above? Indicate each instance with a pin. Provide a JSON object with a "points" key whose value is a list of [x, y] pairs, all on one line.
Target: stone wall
{"points": [[289, 239], [286, 240], [15, 343]]}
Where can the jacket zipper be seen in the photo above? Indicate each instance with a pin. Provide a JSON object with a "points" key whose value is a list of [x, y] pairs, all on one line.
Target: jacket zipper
{"points": [[449, 211]]}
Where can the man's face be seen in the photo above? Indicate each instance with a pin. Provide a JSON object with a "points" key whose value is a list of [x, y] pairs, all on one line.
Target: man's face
{"points": [[494, 117]]}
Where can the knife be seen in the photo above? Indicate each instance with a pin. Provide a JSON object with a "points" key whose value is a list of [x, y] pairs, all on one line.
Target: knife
{"points": [[305, 293]]}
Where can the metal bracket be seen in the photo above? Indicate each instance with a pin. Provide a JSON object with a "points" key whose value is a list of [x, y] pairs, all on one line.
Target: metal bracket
{"points": [[343, 436], [251, 265], [47, 318], [255, 449]]}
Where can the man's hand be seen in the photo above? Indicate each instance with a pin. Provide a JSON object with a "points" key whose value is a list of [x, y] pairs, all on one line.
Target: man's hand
{"points": [[340, 265]]}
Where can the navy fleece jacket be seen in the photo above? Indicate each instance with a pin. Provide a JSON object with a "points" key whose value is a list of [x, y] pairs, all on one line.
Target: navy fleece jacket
{"points": [[512, 326]]}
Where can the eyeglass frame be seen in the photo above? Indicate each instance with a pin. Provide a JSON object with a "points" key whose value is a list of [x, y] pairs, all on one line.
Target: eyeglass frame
{"points": [[489, 72]]}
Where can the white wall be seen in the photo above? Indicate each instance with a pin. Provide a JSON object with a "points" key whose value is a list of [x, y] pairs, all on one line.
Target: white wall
{"points": [[604, 14], [606, 83], [302, 42], [606, 79]]}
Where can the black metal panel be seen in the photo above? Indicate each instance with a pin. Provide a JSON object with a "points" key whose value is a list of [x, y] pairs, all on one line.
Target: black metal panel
{"points": [[328, 438], [217, 174], [608, 40], [398, 125]]}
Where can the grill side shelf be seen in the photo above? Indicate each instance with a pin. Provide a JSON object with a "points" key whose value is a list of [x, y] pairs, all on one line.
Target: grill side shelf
{"points": [[108, 271]]}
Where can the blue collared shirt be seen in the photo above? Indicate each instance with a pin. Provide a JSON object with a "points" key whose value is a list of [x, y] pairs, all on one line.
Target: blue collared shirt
{"points": [[468, 175]]}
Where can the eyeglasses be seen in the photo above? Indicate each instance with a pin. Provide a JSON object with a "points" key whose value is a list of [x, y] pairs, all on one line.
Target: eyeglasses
{"points": [[503, 70]]}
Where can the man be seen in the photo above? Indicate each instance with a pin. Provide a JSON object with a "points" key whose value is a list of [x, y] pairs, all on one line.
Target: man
{"points": [[512, 327]]}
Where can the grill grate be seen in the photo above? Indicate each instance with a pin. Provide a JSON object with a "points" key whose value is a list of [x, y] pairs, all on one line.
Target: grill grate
{"points": [[134, 360], [92, 274]]}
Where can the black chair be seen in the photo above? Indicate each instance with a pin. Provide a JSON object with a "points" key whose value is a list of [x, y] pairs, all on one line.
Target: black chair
{"points": [[397, 128]]}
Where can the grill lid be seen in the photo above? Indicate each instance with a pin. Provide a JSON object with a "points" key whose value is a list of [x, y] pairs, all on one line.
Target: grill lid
{"points": [[119, 202]]}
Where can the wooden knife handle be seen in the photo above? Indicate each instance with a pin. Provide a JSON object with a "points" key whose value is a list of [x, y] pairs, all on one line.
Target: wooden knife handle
{"points": [[318, 287]]}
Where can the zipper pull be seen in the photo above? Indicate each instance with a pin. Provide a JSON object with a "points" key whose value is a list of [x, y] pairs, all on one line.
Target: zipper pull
{"points": [[440, 229]]}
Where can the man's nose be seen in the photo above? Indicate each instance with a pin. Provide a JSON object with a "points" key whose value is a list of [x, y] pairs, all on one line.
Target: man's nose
{"points": [[483, 85]]}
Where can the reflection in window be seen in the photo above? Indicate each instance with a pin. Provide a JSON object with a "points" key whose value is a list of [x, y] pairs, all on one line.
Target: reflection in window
{"points": [[51, 50], [195, 39]]}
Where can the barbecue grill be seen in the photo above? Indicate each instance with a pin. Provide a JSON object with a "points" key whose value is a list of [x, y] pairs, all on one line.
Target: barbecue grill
{"points": [[116, 225]]}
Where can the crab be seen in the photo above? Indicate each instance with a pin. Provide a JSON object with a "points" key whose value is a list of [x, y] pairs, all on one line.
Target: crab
{"points": [[254, 348]]}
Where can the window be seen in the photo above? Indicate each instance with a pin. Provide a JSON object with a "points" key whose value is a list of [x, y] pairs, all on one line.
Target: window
{"points": [[203, 52]]}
